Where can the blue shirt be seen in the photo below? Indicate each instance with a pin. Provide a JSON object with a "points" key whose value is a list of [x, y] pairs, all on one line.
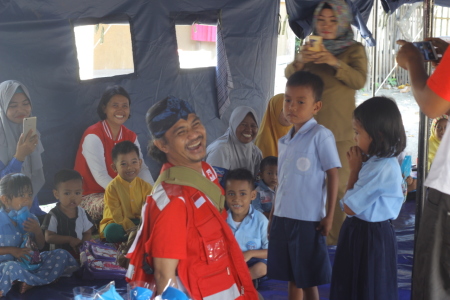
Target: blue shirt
{"points": [[302, 163], [377, 195], [10, 235], [252, 233], [264, 197], [14, 166]]}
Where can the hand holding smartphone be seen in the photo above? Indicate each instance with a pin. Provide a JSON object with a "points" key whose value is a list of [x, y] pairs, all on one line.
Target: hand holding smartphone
{"points": [[314, 42], [29, 124], [427, 49]]}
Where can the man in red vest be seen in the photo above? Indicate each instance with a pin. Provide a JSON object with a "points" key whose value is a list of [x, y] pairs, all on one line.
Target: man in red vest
{"points": [[184, 240]]}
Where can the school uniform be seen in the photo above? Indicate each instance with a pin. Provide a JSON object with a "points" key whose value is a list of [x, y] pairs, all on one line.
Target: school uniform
{"points": [[297, 251], [365, 264], [264, 197], [251, 233]]}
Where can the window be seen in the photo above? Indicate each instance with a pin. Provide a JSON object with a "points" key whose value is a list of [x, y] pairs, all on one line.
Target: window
{"points": [[196, 45], [104, 50]]}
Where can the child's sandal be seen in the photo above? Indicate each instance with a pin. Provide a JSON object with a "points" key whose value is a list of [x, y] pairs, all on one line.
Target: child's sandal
{"points": [[23, 287]]}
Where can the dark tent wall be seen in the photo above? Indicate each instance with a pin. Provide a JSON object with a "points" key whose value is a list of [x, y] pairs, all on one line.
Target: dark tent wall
{"points": [[38, 48]]}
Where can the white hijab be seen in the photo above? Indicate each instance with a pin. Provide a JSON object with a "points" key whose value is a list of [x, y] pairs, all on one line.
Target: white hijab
{"points": [[9, 137], [228, 152]]}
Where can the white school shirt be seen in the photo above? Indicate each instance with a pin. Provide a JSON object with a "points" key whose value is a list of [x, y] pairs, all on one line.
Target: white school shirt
{"points": [[302, 163]]}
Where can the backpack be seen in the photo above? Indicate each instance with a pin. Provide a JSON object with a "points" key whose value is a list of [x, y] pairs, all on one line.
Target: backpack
{"points": [[98, 261]]}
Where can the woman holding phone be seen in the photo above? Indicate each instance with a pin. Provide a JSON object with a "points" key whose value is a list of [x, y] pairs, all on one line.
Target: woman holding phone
{"points": [[341, 62], [19, 152]]}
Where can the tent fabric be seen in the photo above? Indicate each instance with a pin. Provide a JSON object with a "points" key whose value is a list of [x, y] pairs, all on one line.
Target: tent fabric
{"points": [[301, 12], [389, 6], [38, 48], [301, 15]]}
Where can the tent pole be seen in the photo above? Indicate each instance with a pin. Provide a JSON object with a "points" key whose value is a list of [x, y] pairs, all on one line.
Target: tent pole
{"points": [[422, 164], [374, 48]]}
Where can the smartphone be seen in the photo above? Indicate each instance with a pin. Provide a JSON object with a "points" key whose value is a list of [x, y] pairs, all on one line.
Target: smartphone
{"points": [[29, 123], [427, 49], [314, 42]]}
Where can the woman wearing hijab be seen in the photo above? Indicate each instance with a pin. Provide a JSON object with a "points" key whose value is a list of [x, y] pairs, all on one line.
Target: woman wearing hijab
{"points": [[235, 149], [273, 126], [438, 128], [342, 65], [19, 153]]}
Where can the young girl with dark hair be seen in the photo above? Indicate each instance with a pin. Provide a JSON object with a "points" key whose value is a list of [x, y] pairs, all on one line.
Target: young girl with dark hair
{"points": [[365, 265], [16, 192]]}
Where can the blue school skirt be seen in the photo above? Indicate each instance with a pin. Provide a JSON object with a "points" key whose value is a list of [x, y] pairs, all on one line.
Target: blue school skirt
{"points": [[365, 264]]}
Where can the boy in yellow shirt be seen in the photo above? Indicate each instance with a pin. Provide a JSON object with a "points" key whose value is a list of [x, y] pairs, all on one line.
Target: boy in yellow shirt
{"points": [[125, 195]]}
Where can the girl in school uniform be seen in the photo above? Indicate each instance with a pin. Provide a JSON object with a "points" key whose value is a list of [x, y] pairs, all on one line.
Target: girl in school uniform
{"points": [[365, 265], [16, 192]]}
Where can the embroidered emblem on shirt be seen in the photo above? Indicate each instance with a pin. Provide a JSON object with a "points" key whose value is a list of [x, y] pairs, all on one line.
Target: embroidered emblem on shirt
{"points": [[303, 164], [251, 245], [264, 197], [211, 175]]}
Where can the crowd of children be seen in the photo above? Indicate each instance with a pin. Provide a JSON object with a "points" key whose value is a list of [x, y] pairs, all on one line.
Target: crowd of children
{"points": [[294, 211]]}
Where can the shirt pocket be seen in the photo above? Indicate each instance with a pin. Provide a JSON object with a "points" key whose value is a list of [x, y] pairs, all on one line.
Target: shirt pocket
{"points": [[304, 163], [212, 240]]}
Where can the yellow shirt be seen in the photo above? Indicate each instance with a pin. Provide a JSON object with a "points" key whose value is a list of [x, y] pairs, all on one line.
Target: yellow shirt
{"points": [[124, 201]]}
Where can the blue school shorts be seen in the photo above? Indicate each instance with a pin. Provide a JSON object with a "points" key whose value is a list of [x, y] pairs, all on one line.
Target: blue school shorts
{"points": [[254, 260], [298, 253]]}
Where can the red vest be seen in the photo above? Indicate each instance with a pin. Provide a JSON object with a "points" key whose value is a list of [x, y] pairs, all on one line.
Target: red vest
{"points": [[102, 130], [214, 266]]}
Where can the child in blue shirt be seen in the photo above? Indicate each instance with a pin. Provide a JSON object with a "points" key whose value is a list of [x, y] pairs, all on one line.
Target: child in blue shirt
{"points": [[365, 265], [16, 193], [249, 226], [266, 186], [308, 163]]}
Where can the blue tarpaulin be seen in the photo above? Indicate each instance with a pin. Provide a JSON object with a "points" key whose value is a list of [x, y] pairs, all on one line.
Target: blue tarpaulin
{"points": [[38, 48]]}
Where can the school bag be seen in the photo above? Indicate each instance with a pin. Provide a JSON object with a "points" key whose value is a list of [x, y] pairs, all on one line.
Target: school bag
{"points": [[98, 261]]}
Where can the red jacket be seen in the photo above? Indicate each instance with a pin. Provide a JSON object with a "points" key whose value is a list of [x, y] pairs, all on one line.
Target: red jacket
{"points": [[102, 130], [180, 222]]}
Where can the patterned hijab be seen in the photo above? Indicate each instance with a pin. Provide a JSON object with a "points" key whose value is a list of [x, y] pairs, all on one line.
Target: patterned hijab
{"points": [[271, 129], [10, 134], [344, 34], [434, 142]]}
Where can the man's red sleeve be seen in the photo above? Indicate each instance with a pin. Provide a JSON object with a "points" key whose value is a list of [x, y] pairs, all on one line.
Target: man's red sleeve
{"points": [[439, 81], [169, 234]]}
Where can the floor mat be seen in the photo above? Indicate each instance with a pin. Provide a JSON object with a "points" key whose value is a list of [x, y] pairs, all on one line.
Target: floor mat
{"points": [[404, 228]]}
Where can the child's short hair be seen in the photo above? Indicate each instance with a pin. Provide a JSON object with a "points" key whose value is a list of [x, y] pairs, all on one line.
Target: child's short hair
{"points": [[65, 175], [268, 161], [124, 148], [241, 174], [381, 119], [13, 185], [308, 79]]}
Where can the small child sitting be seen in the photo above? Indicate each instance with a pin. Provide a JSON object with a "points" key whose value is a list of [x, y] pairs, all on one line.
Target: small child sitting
{"points": [[125, 195], [67, 225], [266, 186], [16, 192], [249, 226]]}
